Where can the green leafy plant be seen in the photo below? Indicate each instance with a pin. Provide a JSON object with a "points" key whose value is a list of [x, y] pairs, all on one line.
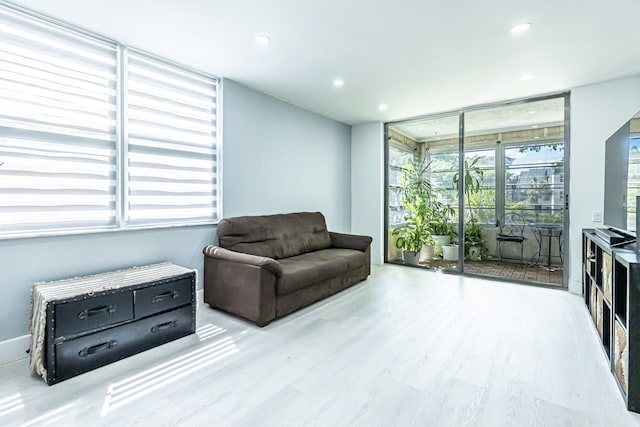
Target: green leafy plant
{"points": [[415, 232], [414, 182], [473, 176], [415, 192], [424, 214], [551, 218], [473, 237], [440, 218]]}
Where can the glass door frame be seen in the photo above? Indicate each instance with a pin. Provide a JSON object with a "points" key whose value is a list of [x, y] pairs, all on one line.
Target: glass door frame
{"points": [[499, 183]]}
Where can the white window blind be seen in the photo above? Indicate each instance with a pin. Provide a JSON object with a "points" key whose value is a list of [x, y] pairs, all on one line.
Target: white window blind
{"points": [[171, 138], [57, 127]]}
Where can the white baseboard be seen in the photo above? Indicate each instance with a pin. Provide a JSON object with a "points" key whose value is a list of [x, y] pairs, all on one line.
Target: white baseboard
{"points": [[14, 349]]}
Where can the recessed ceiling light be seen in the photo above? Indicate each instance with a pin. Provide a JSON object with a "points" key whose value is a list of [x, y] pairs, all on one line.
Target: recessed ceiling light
{"points": [[382, 107], [532, 112], [534, 126], [521, 28], [338, 82], [263, 39], [527, 76]]}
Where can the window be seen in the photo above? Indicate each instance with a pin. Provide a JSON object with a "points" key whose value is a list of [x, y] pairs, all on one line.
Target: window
{"points": [[171, 129], [444, 165], [398, 158], [483, 203], [57, 127], [534, 182], [79, 153]]}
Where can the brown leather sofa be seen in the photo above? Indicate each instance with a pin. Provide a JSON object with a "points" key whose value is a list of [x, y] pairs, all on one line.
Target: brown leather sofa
{"points": [[266, 267]]}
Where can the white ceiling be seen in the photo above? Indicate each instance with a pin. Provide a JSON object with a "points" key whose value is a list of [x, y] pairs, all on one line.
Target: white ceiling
{"points": [[416, 56]]}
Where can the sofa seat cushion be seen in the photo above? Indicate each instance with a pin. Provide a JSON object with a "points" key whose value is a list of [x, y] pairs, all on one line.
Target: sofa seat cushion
{"points": [[308, 269], [353, 257]]}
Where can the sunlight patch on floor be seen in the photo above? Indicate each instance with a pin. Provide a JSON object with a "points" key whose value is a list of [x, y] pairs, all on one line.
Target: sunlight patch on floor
{"points": [[11, 404], [50, 417], [132, 388], [209, 331]]}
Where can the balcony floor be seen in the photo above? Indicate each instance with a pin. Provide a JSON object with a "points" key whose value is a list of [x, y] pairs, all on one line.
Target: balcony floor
{"points": [[540, 273]]}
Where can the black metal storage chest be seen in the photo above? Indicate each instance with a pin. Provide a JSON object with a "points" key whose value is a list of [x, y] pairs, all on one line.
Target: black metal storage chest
{"points": [[95, 320]]}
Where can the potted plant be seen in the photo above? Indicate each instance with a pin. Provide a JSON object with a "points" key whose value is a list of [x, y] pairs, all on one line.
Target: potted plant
{"points": [[474, 246], [414, 233], [450, 252], [473, 238], [440, 223], [428, 249], [415, 193]]}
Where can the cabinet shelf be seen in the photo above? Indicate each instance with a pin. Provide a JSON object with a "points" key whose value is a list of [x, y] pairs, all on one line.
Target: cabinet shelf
{"points": [[612, 303], [621, 285], [621, 321], [606, 330]]}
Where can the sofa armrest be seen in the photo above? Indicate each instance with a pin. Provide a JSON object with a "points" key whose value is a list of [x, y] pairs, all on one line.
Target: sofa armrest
{"points": [[350, 241], [242, 284], [222, 254]]}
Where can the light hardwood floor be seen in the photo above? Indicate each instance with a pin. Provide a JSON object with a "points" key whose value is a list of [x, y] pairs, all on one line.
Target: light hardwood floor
{"points": [[406, 347]]}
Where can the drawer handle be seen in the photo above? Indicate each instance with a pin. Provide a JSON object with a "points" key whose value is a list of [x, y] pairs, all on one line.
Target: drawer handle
{"points": [[164, 296], [164, 326], [87, 351], [105, 309]]}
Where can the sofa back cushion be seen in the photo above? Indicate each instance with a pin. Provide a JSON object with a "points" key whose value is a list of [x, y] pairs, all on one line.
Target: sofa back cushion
{"points": [[275, 236]]}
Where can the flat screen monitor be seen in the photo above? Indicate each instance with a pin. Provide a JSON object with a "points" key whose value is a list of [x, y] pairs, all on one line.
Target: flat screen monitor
{"points": [[622, 177]]}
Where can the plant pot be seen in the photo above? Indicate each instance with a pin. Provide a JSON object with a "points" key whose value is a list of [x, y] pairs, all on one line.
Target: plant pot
{"points": [[450, 252], [393, 252], [474, 252], [427, 253], [440, 241], [411, 258]]}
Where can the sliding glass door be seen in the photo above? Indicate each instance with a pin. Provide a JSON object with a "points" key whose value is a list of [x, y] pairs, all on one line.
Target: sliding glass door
{"points": [[523, 240], [504, 198], [422, 214]]}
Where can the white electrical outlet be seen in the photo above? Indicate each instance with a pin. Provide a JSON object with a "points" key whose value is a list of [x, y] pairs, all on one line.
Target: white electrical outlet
{"points": [[596, 216]]}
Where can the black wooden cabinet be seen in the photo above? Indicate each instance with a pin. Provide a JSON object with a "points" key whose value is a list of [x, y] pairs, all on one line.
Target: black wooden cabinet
{"points": [[91, 329], [611, 292]]}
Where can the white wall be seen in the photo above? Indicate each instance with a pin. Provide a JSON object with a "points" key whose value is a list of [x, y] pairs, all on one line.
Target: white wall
{"points": [[597, 111], [276, 158], [367, 184], [279, 158]]}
